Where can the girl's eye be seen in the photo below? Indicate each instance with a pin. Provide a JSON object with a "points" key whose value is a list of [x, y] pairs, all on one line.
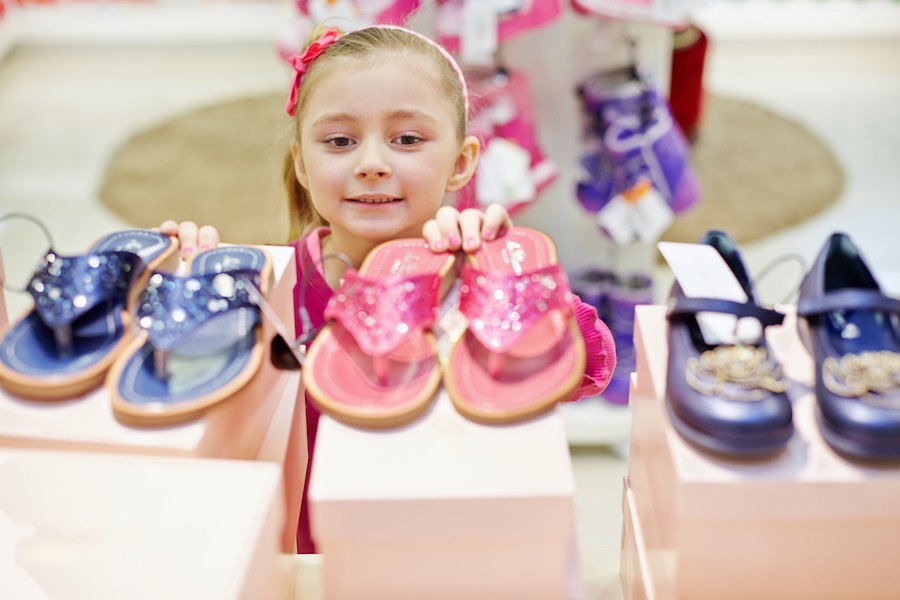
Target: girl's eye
{"points": [[408, 139], [339, 141]]}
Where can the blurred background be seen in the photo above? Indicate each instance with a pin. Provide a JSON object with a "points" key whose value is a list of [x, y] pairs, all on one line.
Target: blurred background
{"points": [[106, 109]]}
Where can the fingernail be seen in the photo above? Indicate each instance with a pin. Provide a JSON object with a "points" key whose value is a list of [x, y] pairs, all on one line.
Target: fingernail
{"points": [[471, 242], [439, 246], [453, 240], [187, 251], [204, 247], [489, 234]]}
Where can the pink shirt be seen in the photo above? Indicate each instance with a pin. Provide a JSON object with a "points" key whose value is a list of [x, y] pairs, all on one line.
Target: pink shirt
{"points": [[599, 345]]}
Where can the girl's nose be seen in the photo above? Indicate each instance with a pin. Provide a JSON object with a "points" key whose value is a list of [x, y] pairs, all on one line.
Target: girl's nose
{"points": [[372, 162]]}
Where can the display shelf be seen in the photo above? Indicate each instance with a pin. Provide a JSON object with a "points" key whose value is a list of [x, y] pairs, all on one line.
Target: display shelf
{"points": [[446, 508], [87, 525], [798, 19], [145, 22], [234, 428], [699, 525]]}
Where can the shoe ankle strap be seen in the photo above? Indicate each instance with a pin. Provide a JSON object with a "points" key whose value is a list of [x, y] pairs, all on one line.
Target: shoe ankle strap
{"points": [[848, 299], [691, 306]]}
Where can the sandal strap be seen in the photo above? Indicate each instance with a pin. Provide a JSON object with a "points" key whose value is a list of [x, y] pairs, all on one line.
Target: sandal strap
{"points": [[66, 287], [502, 307], [848, 299], [381, 313], [173, 307], [685, 305]]}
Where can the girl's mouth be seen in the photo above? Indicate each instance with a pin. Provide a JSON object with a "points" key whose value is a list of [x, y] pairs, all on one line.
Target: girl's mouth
{"points": [[374, 200]]}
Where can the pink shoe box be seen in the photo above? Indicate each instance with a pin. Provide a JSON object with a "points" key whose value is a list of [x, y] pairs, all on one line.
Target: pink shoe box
{"points": [[635, 569], [233, 429], [445, 508], [285, 445], [803, 523], [89, 525]]}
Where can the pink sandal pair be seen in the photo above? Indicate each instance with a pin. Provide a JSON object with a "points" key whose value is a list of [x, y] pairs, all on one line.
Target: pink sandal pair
{"points": [[376, 364]]}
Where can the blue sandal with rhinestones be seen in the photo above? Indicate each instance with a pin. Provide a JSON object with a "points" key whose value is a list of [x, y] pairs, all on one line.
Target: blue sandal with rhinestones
{"points": [[200, 339], [63, 347]]}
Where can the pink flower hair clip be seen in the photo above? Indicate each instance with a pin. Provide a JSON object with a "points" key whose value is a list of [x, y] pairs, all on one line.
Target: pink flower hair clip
{"points": [[301, 63]]}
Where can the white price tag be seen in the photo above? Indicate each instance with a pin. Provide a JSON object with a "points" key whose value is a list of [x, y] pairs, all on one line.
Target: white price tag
{"points": [[702, 273], [503, 174], [639, 214], [479, 40]]}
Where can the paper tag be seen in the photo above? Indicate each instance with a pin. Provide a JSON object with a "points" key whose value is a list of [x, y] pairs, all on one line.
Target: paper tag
{"points": [[640, 213], [479, 39], [344, 14], [702, 273], [503, 174]]}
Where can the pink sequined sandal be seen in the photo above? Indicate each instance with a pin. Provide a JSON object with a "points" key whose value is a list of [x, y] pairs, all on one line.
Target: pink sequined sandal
{"points": [[522, 352], [376, 363]]}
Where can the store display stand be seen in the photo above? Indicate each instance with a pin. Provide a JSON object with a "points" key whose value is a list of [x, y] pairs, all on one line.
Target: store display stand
{"points": [[804, 523], [98, 525], [264, 421], [234, 428], [445, 508]]}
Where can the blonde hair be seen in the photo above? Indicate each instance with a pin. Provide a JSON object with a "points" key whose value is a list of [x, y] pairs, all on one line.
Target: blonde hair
{"points": [[353, 46]]}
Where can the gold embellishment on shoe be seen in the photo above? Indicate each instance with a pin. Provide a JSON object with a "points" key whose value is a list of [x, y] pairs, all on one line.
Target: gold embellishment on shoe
{"points": [[735, 373], [868, 376]]}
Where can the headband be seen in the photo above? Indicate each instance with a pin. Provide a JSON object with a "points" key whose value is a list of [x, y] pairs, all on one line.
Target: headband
{"points": [[301, 62]]}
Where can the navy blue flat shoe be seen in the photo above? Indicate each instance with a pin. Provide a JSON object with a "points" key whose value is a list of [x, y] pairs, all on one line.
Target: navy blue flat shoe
{"points": [[725, 398], [852, 331]]}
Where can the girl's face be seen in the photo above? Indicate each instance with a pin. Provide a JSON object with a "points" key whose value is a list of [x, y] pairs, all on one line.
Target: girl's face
{"points": [[379, 149]]}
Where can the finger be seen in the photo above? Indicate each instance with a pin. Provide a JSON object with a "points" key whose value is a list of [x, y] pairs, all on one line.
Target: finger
{"points": [[431, 231], [496, 221], [207, 237], [470, 229], [447, 218], [187, 235], [168, 227]]}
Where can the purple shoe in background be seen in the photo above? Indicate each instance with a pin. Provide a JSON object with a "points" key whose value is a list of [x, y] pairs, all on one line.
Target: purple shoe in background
{"points": [[621, 300], [637, 139]]}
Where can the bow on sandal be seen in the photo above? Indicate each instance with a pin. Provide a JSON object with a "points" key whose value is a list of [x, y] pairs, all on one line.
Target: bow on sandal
{"points": [[201, 338], [64, 346], [375, 364], [522, 351]]}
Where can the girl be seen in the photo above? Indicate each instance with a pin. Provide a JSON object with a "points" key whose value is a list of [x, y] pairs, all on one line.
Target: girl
{"points": [[380, 138]]}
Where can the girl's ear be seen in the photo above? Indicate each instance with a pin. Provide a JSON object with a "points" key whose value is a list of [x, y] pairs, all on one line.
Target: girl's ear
{"points": [[299, 167], [465, 165]]}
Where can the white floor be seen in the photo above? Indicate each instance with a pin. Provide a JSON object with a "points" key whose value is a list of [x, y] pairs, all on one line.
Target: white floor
{"points": [[64, 110]]}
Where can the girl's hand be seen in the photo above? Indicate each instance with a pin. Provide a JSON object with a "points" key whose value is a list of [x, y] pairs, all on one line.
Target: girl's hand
{"points": [[191, 237], [451, 230]]}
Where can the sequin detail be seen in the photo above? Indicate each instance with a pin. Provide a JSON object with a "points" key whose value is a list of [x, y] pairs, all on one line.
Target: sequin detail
{"points": [[501, 307], [172, 307], [380, 314], [66, 287]]}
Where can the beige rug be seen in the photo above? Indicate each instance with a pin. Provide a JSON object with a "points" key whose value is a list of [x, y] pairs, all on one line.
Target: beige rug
{"points": [[758, 172], [221, 165]]}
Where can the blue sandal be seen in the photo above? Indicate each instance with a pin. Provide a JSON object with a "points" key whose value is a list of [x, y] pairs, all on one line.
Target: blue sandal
{"points": [[63, 347], [201, 338]]}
